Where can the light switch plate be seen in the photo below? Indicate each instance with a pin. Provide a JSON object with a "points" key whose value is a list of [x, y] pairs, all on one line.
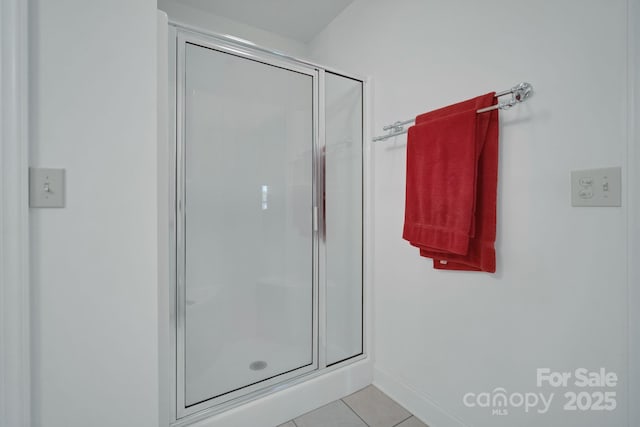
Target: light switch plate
{"points": [[596, 187], [46, 188]]}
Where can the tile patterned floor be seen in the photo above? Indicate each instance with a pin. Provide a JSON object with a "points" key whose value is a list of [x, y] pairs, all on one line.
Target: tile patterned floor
{"points": [[368, 407]]}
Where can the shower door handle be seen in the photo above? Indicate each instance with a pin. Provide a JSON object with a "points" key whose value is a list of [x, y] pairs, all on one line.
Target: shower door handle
{"points": [[315, 219]]}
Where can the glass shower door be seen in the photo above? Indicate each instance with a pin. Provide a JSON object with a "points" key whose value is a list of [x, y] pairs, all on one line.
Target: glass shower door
{"points": [[246, 288], [343, 217]]}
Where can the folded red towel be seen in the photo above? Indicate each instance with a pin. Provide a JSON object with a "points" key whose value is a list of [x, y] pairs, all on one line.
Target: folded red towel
{"points": [[450, 210]]}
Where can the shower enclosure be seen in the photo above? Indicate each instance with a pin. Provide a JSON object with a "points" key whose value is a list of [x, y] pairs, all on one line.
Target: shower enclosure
{"points": [[267, 221]]}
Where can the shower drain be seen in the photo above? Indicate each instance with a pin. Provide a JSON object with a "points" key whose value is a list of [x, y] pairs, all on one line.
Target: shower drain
{"points": [[258, 365]]}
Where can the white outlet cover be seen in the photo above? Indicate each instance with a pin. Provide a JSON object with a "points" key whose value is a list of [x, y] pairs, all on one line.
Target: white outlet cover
{"points": [[46, 188], [596, 187]]}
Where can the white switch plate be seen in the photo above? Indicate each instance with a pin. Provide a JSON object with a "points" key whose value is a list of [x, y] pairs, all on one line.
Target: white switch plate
{"points": [[596, 187], [46, 188]]}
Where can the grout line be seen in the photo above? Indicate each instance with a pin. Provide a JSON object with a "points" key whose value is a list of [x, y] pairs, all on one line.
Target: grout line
{"points": [[354, 411], [294, 422], [396, 425]]}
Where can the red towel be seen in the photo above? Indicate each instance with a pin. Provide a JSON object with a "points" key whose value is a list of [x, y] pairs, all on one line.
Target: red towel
{"points": [[452, 165]]}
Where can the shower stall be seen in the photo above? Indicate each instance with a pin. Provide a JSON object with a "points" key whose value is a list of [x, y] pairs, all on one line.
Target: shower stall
{"points": [[266, 216]]}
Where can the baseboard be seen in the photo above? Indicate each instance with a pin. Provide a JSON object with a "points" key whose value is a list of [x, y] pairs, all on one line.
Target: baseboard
{"points": [[415, 402]]}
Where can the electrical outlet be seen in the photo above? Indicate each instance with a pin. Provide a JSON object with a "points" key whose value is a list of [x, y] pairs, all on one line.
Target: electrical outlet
{"points": [[596, 187]]}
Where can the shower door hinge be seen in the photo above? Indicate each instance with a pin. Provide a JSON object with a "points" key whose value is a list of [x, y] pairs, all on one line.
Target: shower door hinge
{"points": [[315, 218]]}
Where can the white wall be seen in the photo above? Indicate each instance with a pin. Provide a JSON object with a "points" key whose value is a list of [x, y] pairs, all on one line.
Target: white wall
{"points": [[94, 263], [219, 24], [558, 299]]}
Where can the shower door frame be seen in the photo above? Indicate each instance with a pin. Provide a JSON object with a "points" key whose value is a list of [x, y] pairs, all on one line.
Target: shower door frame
{"points": [[220, 46], [179, 34]]}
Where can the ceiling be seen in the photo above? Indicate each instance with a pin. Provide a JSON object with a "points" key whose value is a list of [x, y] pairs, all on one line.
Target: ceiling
{"points": [[300, 20]]}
